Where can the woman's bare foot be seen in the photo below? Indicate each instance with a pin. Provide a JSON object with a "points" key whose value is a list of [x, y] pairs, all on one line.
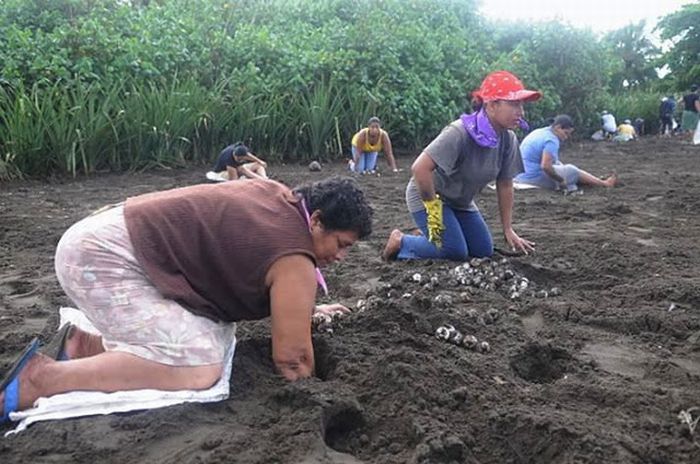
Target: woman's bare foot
{"points": [[81, 344], [611, 181], [29, 382], [393, 245]]}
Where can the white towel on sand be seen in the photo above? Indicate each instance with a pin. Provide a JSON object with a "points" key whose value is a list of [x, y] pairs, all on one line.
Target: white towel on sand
{"points": [[217, 176], [88, 403], [220, 176], [516, 186]]}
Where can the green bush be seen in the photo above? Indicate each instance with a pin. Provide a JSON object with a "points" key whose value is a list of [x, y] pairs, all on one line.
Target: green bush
{"points": [[113, 84]]}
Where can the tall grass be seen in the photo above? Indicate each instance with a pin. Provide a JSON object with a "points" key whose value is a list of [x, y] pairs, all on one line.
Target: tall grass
{"points": [[55, 128], [80, 128], [157, 126], [22, 132], [316, 107]]}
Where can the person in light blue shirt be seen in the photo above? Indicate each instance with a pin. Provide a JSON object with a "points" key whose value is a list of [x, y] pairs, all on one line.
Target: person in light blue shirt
{"points": [[543, 168]]}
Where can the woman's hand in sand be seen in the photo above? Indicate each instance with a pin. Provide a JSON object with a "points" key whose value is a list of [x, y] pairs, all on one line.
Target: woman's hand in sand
{"points": [[330, 309], [518, 243]]}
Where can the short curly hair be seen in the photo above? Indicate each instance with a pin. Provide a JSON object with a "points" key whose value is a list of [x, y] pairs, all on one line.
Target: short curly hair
{"points": [[342, 204]]}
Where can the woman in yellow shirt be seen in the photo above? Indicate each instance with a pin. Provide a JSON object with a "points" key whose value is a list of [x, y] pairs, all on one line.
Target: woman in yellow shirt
{"points": [[366, 145], [625, 132]]}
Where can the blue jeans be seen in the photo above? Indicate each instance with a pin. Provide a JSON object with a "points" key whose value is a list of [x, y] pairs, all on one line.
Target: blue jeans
{"points": [[366, 161], [466, 234]]}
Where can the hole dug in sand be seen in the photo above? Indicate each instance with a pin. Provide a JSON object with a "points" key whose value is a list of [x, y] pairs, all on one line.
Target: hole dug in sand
{"points": [[342, 426], [324, 359], [541, 363]]}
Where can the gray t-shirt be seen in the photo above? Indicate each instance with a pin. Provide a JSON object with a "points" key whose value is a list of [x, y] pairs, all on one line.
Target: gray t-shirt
{"points": [[463, 168]]}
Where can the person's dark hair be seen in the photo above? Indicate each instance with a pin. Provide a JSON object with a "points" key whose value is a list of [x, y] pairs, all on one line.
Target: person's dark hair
{"points": [[564, 121], [342, 204], [694, 88], [374, 119], [240, 150], [477, 103]]}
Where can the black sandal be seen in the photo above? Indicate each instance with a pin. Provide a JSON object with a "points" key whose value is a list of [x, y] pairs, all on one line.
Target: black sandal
{"points": [[55, 349]]}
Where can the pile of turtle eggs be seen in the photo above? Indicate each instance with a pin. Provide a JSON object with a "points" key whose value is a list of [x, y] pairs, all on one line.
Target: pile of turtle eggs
{"points": [[451, 335], [487, 274], [322, 323]]}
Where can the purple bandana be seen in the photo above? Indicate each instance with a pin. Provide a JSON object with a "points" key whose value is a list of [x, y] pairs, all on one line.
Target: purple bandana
{"points": [[480, 129]]}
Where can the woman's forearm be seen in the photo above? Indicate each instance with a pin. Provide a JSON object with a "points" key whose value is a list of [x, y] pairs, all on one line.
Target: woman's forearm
{"points": [[425, 184], [255, 159], [504, 189], [391, 160], [549, 170], [389, 151]]}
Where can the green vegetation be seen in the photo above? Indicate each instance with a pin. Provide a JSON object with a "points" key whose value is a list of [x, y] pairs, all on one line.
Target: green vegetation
{"points": [[87, 85]]}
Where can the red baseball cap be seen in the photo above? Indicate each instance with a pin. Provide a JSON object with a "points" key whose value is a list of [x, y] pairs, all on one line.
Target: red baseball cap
{"points": [[502, 85]]}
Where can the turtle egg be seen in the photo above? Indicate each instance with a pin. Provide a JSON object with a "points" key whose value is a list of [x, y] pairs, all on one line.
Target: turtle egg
{"points": [[493, 313], [443, 300], [484, 347], [442, 333], [456, 338], [470, 341]]}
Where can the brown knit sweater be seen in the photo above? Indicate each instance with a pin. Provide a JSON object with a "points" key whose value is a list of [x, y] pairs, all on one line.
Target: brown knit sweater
{"points": [[209, 247]]}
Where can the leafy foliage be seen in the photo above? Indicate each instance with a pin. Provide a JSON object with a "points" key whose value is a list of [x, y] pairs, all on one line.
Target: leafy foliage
{"points": [[572, 82], [683, 29], [116, 84], [637, 54]]}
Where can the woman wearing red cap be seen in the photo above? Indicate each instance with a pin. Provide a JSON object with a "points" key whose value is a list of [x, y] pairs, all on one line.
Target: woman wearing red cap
{"points": [[468, 154]]}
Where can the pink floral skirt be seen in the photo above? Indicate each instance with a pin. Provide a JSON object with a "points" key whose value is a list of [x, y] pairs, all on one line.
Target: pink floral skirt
{"points": [[96, 267]]}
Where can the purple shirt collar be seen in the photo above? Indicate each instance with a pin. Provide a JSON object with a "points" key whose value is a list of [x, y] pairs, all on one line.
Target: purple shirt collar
{"points": [[480, 129]]}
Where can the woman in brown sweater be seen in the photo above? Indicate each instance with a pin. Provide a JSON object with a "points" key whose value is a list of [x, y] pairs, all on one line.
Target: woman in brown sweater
{"points": [[165, 275]]}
